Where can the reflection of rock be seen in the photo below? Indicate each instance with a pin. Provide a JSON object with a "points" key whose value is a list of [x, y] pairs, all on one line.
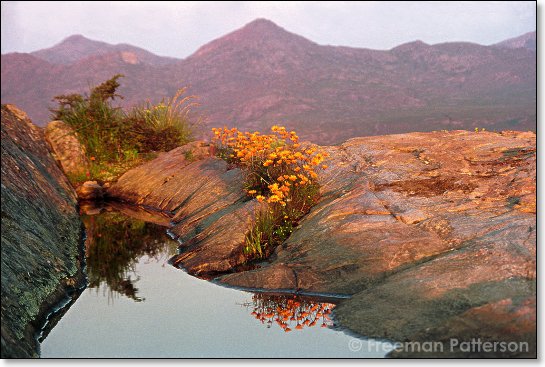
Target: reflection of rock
{"points": [[90, 207], [439, 224], [66, 148], [90, 190], [40, 234]]}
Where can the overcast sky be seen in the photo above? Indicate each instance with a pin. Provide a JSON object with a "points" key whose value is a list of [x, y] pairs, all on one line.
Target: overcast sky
{"points": [[179, 28]]}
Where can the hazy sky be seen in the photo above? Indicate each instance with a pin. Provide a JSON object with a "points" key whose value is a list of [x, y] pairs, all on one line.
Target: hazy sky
{"points": [[178, 28]]}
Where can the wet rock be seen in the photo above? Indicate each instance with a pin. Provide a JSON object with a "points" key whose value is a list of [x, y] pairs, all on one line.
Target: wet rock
{"points": [[90, 190], [66, 147], [40, 233]]}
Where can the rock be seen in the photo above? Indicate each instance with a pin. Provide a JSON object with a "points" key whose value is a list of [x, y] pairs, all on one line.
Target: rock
{"points": [[157, 182], [277, 276], [41, 234], [426, 231], [215, 245], [66, 148], [210, 212], [90, 190]]}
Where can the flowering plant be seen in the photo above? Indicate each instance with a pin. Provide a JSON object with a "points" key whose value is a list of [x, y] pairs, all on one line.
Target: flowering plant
{"points": [[280, 171]]}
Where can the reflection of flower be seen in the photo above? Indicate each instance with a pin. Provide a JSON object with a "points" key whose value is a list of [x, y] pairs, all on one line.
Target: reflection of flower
{"points": [[290, 312]]}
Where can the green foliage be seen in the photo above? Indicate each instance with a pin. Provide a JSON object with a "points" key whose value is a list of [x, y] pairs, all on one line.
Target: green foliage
{"points": [[163, 126], [115, 139], [188, 155], [260, 236], [130, 154], [99, 126]]}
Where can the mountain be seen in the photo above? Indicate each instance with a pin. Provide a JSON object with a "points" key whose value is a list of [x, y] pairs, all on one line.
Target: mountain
{"points": [[262, 74], [527, 40], [77, 47]]}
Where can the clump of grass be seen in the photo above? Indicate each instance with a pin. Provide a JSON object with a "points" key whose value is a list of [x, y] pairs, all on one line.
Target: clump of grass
{"points": [[280, 173], [166, 125]]}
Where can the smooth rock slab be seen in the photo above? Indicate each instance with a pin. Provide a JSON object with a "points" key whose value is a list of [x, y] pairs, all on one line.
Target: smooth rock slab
{"points": [[425, 230], [210, 211]]}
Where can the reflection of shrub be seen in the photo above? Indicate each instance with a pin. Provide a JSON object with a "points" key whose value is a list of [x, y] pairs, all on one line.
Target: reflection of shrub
{"points": [[291, 311], [278, 171], [114, 242]]}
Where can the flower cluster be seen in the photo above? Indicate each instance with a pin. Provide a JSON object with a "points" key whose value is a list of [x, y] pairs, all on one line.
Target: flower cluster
{"points": [[276, 164], [290, 312]]}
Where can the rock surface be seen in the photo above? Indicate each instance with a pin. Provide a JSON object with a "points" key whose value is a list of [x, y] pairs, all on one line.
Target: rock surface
{"points": [[433, 234], [41, 234], [90, 190], [66, 148], [209, 209]]}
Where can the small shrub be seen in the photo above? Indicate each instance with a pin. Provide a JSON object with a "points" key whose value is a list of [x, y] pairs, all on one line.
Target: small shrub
{"points": [[130, 154], [166, 125], [278, 171], [189, 156], [116, 141], [99, 126]]}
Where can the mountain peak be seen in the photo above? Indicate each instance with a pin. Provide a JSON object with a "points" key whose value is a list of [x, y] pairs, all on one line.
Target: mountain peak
{"points": [[261, 27], [527, 40], [410, 46], [262, 24], [75, 38], [78, 47], [261, 34]]}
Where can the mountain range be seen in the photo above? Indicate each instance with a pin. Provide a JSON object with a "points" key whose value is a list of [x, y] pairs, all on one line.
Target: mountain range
{"points": [[262, 74]]}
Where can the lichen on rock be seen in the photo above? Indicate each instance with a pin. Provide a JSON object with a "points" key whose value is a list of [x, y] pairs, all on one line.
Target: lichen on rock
{"points": [[41, 233]]}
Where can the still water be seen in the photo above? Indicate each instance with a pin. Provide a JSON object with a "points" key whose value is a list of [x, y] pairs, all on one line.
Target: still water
{"points": [[138, 305]]}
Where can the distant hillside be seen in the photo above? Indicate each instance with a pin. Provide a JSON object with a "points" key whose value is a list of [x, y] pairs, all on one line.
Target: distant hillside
{"points": [[527, 40], [262, 74], [77, 47]]}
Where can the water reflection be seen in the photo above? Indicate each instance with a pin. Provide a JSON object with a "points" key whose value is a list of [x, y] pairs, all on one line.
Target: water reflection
{"points": [[115, 242], [125, 243], [290, 312]]}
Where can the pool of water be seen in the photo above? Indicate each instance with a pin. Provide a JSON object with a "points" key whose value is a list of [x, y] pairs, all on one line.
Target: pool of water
{"points": [[137, 305]]}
